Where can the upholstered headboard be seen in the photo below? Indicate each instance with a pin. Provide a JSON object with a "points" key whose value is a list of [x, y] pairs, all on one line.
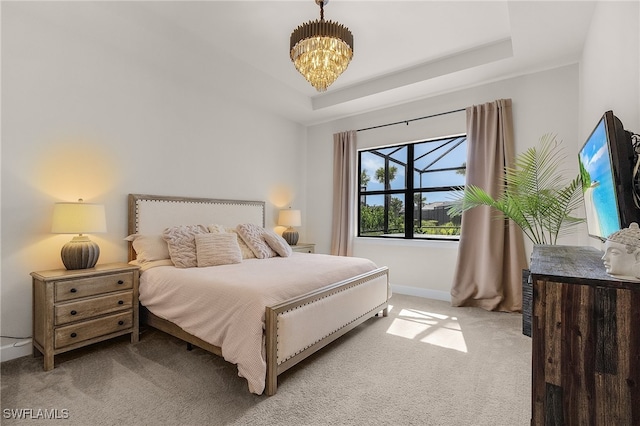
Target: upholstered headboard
{"points": [[151, 214]]}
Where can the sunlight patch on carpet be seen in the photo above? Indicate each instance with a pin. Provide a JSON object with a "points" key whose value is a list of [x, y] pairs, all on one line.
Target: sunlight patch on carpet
{"points": [[428, 327]]}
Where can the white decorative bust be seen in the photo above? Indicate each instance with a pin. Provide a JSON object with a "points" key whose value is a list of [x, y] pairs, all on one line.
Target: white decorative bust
{"points": [[622, 253]]}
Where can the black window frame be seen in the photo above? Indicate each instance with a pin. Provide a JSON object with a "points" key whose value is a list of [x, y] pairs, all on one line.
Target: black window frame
{"points": [[408, 192]]}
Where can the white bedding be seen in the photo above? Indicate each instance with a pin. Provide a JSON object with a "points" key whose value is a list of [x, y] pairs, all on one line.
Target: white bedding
{"points": [[225, 305]]}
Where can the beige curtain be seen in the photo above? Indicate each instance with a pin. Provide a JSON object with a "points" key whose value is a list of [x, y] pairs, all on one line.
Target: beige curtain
{"points": [[344, 192], [491, 253]]}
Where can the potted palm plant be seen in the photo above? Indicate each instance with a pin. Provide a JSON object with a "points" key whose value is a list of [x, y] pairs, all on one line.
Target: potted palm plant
{"points": [[536, 196]]}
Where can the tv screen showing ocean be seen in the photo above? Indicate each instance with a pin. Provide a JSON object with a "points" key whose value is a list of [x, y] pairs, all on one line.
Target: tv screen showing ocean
{"points": [[600, 196]]}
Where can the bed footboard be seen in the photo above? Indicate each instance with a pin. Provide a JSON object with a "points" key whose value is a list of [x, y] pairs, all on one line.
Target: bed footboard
{"points": [[298, 328]]}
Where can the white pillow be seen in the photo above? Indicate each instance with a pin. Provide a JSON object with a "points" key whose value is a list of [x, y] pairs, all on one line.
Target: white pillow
{"points": [[217, 249], [216, 229], [253, 235], [279, 244], [247, 253], [181, 241], [149, 248]]}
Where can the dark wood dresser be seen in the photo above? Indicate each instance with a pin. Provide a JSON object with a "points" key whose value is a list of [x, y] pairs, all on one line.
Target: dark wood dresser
{"points": [[586, 341]]}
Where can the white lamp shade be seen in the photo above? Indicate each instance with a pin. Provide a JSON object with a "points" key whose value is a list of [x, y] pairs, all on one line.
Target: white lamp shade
{"points": [[289, 217], [78, 218]]}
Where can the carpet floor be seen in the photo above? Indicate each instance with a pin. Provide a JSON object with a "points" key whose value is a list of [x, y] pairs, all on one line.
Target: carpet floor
{"points": [[427, 363]]}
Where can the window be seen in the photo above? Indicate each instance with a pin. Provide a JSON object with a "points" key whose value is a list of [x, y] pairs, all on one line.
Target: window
{"points": [[422, 175]]}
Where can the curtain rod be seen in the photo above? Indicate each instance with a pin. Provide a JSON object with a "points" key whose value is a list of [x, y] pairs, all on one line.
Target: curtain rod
{"points": [[413, 119]]}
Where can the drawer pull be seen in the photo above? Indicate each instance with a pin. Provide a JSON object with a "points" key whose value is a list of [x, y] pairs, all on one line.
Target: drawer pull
{"points": [[120, 282], [73, 290], [120, 322], [73, 312], [74, 335], [120, 302]]}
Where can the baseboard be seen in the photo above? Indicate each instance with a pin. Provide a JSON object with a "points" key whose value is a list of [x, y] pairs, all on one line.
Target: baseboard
{"points": [[15, 349], [421, 292]]}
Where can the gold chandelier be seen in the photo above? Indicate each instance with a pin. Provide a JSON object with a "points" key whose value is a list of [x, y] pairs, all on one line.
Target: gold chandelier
{"points": [[321, 50]]}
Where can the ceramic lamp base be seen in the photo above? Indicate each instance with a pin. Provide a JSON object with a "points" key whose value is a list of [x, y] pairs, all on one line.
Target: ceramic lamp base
{"points": [[80, 253], [291, 236]]}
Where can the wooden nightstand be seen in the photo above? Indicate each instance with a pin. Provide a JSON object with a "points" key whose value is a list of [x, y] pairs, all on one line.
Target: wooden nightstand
{"points": [[304, 248], [75, 308]]}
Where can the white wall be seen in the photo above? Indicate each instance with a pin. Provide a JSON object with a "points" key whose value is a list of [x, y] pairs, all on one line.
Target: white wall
{"points": [[610, 66], [86, 117], [610, 70], [543, 102]]}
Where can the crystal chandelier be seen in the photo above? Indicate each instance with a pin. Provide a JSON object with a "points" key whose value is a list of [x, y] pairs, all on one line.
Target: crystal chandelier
{"points": [[321, 50]]}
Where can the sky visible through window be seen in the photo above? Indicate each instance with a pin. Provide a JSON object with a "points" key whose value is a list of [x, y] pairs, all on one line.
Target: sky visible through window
{"points": [[430, 156]]}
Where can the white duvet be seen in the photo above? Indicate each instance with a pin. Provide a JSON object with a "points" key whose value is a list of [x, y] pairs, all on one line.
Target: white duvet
{"points": [[225, 305]]}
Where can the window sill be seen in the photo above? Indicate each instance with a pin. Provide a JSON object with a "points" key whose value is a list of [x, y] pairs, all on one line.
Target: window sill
{"points": [[406, 243]]}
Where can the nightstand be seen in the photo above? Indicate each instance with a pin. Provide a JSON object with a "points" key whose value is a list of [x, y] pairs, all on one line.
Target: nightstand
{"points": [[304, 248], [75, 308]]}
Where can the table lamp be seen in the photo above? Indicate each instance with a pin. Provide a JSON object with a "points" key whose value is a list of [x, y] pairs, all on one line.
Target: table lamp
{"points": [[290, 218], [79, 218]]}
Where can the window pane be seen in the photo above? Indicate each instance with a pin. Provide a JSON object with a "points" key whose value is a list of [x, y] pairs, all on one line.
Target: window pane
{"points": [[371, 215], [398, 167], [383, 169], [369, 163], [440, 154], [395, 219], [381, 215], [399, 154], [431, 218], [438, 167], [439, 179]]}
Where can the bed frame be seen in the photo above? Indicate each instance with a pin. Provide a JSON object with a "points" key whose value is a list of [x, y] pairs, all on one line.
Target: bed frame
{"points": [[286, 338]]}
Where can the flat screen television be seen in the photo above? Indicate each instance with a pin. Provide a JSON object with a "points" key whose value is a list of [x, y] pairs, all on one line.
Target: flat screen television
{"points": [[606, 162]]}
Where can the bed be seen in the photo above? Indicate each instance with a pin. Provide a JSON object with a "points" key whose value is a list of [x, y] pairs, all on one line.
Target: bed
{"points": [[291, 305]]}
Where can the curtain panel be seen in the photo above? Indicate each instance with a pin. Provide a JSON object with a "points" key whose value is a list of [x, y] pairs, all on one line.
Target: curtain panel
{"points": [[491, 253], [344, 192]]}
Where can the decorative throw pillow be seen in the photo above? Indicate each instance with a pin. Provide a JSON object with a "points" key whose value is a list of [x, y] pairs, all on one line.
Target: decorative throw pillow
{"points": [[149, 248], [244, 248], [181, 241], [278, 243], [216, 229], [217, 249], [253, 235]]}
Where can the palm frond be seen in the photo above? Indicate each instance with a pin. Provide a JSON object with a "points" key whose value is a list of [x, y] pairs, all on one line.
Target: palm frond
{"points": [[535, 194]]}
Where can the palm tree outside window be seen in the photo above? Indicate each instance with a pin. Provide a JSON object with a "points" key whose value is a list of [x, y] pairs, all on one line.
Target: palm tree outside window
{"points": [[422, 175]]}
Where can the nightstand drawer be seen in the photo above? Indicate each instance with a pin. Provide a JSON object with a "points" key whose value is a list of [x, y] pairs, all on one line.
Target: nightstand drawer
{"points": [[96, 306], [71, 334], [304, 248], [74, 289]]}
